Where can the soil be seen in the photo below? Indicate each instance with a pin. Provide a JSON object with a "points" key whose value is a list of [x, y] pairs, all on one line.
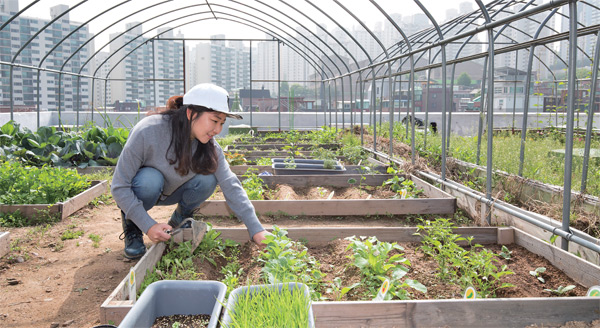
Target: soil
{"points": [[334, 262], [286, 192], [185, 321], [46, 282]]}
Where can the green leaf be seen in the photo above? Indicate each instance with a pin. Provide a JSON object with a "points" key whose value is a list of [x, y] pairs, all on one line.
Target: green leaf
{"points": [[416, 285]]}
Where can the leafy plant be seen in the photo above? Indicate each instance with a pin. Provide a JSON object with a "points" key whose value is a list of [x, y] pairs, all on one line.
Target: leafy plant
{"points": [[176, 264], [376, 264], [71, 234], [329, 164], [235, 158], [336, 288], [285, 260], [253, 184], [404, 188], [95, 240], [538, 274], [475, 267], [506, 253], [560, 290], [263, 161], [354, 154], [289, 163]]}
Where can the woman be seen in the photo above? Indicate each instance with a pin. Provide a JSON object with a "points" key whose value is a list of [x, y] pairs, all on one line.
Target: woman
{"points": [[172, 158]]}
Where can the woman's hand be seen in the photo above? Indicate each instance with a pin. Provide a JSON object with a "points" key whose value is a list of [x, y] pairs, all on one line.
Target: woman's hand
{"points": [[157, 233], [259, 237]]}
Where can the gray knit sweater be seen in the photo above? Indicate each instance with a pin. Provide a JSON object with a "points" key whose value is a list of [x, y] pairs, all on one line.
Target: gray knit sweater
{"points": [[146, 147]]}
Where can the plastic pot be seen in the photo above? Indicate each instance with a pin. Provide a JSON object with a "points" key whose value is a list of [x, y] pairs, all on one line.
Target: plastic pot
{"points": [[293, 286], [170, 297]]}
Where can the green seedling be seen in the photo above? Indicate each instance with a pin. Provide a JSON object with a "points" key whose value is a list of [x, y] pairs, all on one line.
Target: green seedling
{"points": [[71, 234], [95, 240], [376, 263], [560, 290], [285, 260], [336, 288], [538, 274], [506, 253], [253, 184]]}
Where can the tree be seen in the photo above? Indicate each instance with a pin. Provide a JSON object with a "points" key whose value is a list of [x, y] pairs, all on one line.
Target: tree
{"points": [[464, 79]]}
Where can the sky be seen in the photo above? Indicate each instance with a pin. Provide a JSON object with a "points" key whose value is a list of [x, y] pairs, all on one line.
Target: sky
{"points": [[363, 9]]}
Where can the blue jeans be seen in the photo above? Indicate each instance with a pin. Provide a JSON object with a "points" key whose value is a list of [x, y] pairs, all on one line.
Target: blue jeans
{"points": [[148, 185]]}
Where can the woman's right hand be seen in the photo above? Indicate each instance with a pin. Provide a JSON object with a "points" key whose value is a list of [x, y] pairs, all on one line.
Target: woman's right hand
{"points": [[157, 232]]}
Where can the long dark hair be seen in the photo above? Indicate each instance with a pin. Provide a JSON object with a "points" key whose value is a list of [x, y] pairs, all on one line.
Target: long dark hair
{"points": [[204, 160]]}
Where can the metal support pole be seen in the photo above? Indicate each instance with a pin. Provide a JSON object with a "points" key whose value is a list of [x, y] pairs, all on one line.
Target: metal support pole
{"points": [[570, 117], [427, 104], [251, 104], [279, 82], [373, 108], [154, 88], [58, 100], [481, 115], [335, 104], [38, 97], [590, 121], [515, 89], [184, 75], [527, 93], [78, 100]]}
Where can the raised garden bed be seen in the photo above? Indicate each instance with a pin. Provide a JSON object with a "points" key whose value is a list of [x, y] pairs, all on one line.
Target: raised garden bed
{"points": [[518, 312], [4, 243], [61, 209], [437, 201]]}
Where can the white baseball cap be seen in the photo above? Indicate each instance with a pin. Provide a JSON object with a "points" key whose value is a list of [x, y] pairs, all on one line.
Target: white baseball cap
{"points": [[210, 96]]}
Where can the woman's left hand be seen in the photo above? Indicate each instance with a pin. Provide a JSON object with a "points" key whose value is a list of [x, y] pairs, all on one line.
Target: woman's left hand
{"points": [[259, 237]]}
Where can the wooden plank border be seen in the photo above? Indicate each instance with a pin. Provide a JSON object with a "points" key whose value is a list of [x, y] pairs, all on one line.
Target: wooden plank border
{"points": [[439, 202], [4, 243], [337, 207], [116, 306], [63, 209], [547, 312], [583, 272]]}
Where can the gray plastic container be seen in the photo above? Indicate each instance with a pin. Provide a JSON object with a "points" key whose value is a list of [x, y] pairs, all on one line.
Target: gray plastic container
{"points": [[170, 297], [231, 302], [304, 167]]}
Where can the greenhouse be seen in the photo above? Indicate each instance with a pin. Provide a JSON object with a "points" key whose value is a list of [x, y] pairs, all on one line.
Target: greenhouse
{"points": [[369, 163]]}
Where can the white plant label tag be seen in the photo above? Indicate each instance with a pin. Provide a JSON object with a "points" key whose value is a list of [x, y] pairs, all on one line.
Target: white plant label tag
{"points": [[594, 291], [131, 282], [383, 290], [470, 293]]}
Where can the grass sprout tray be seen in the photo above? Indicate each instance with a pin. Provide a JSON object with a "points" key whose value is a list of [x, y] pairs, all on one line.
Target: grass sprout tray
{"points": [[252, 291]]}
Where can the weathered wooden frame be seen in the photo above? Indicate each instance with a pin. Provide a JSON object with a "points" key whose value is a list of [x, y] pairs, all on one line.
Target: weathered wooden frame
{"points": [[62, 209], [4, 243], [438, 201], [505, 312]]}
